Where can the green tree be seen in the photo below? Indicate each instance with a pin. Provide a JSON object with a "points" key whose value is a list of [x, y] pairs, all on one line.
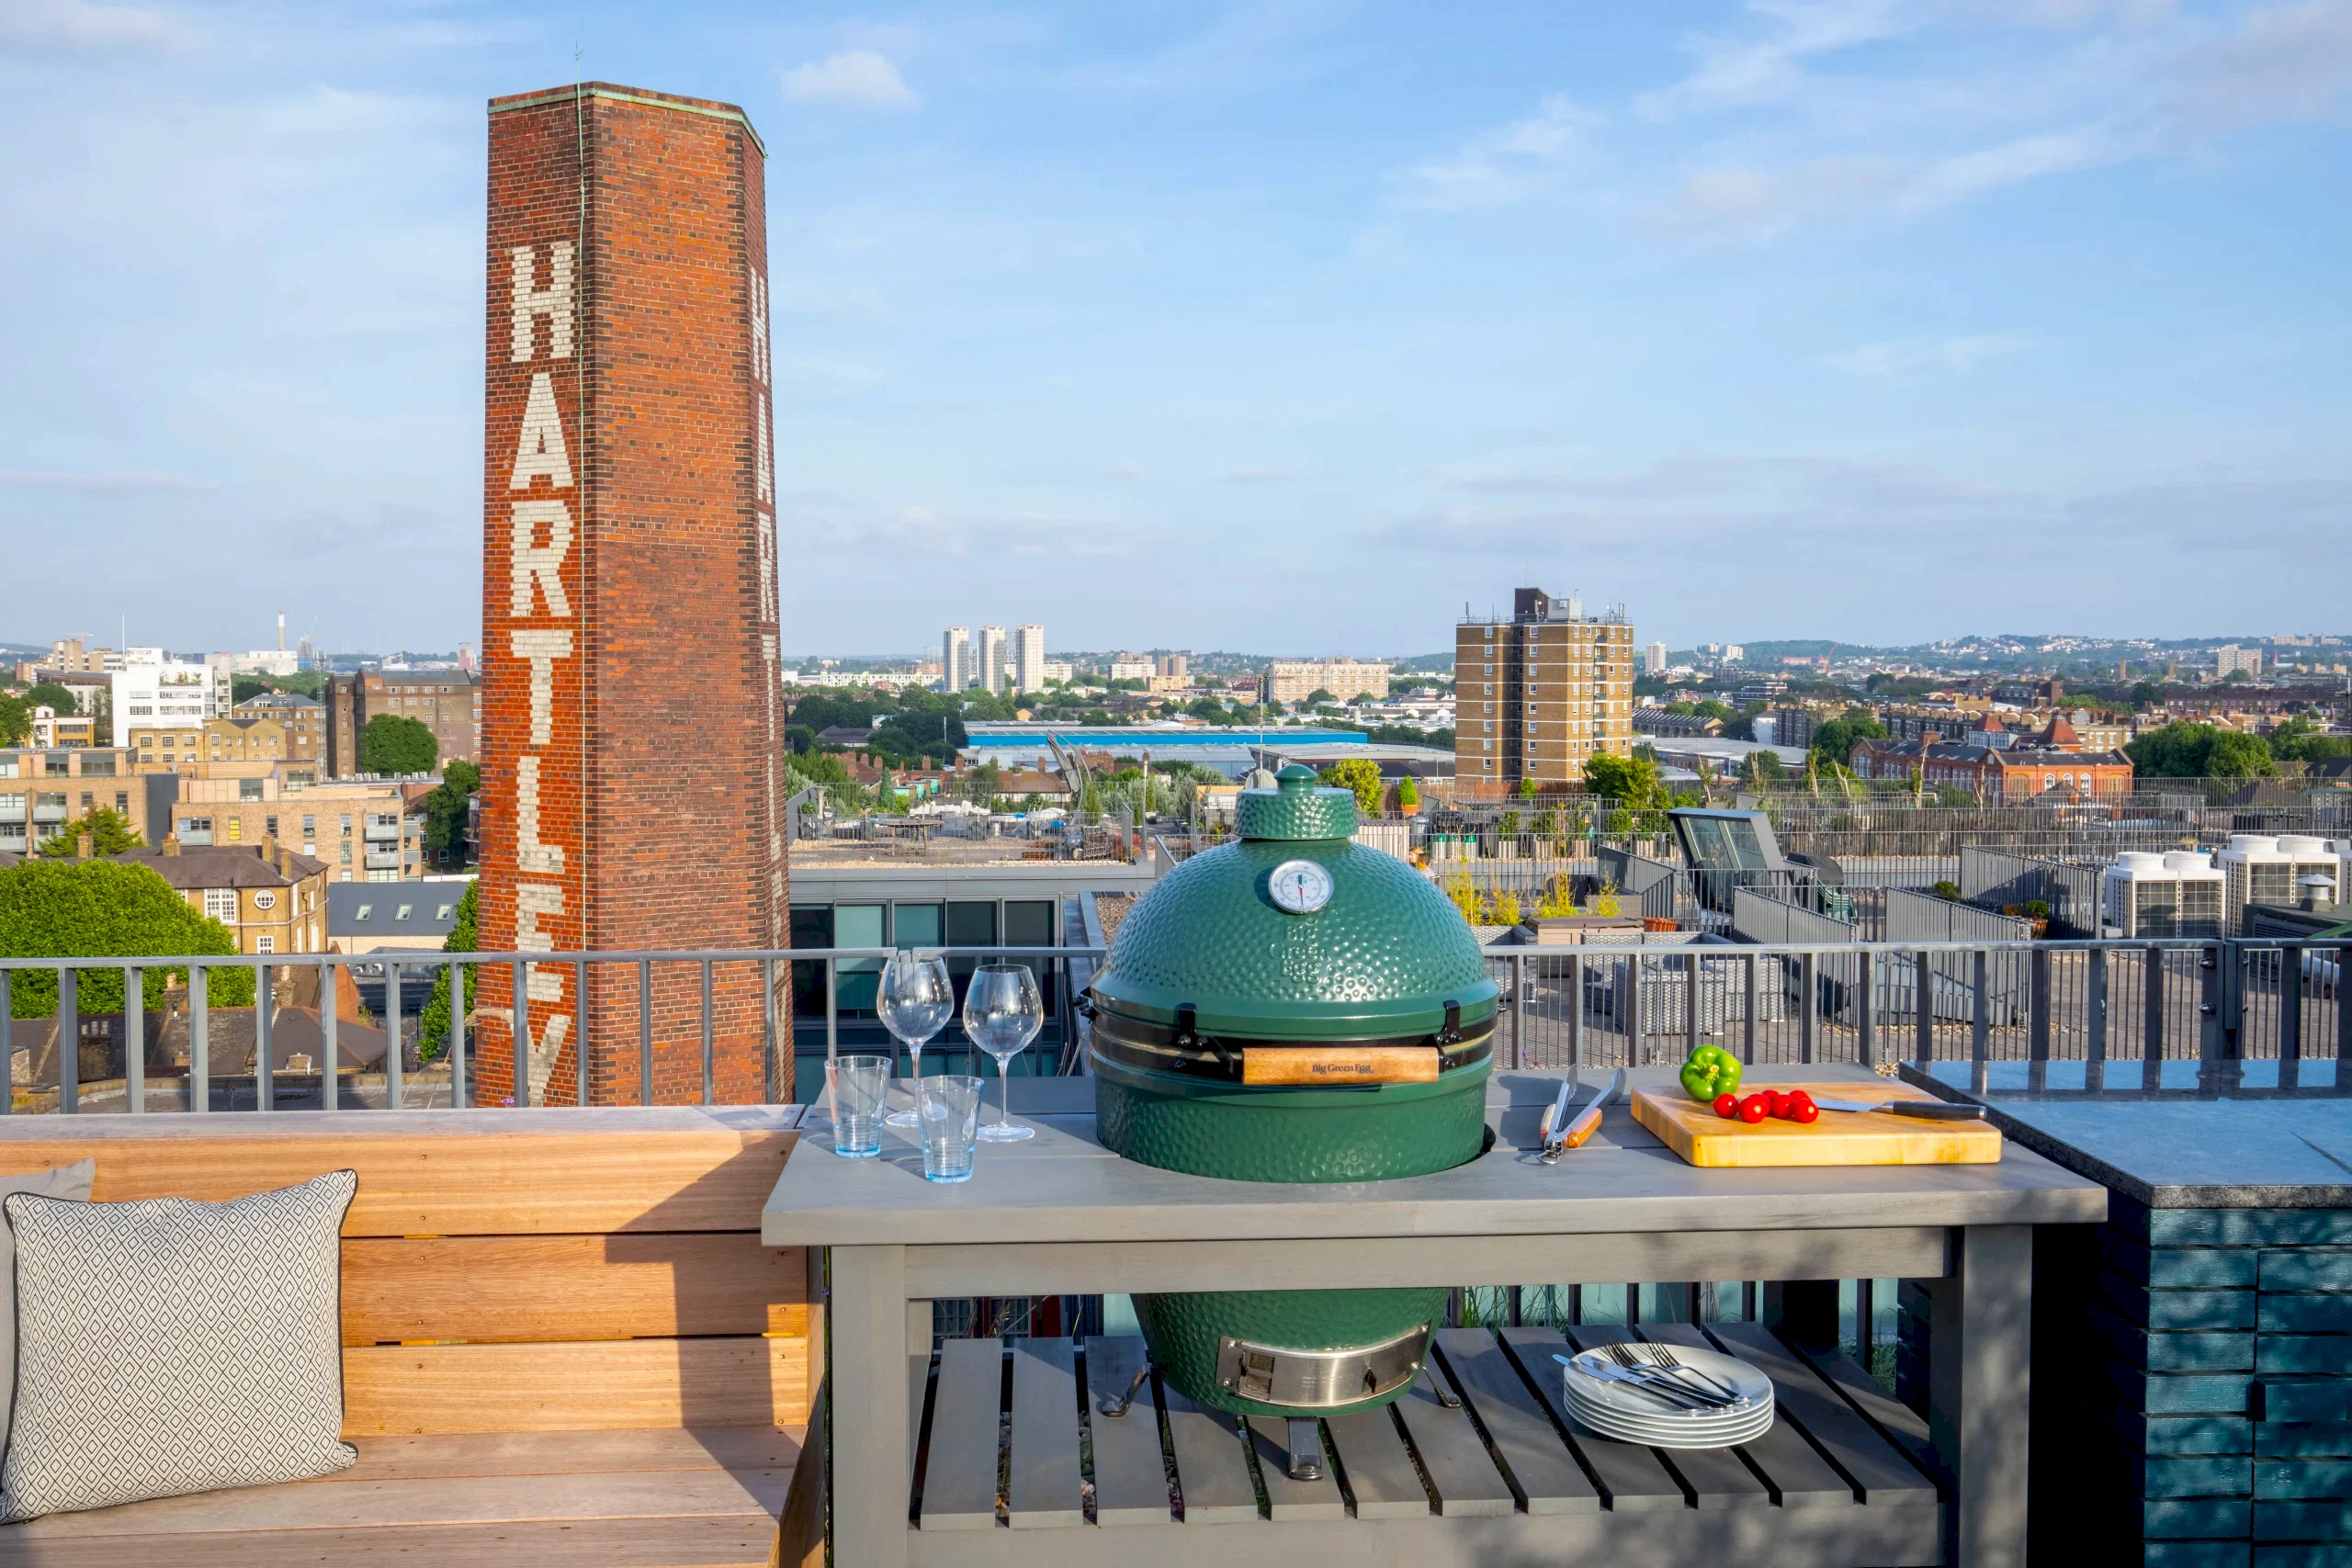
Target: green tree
{"points": [[1408, 791], [445, 809], [1762, 770], [243, 689], [1632, 782], [1528, 789], [2185, 750], [99, 908], [1361, 777], [2299, 740], [15, 721], [393, 743], [109, 833], [1320, 696], [465, 936], [50, 694], [1834, 741], [2147, 693]]}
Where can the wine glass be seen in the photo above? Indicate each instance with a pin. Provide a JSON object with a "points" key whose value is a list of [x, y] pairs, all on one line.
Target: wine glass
{"points": [[1002, 1013], [914, 1000]]}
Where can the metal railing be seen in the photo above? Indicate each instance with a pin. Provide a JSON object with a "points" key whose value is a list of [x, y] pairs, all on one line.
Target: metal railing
{"points": [[65, 1049], [1878, 1003]]}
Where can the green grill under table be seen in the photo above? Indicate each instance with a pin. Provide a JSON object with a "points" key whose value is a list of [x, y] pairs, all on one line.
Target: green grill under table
{"points": [[984, 1454]]}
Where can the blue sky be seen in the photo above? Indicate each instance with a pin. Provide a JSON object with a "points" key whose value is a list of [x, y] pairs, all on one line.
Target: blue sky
{"points": [[1286, 327]]}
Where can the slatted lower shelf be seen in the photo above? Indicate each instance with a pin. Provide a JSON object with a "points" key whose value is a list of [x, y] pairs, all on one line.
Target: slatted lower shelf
{"points": [[1010, 1464]]}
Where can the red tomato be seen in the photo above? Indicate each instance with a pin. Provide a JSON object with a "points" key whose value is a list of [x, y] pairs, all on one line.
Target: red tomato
{"points": [[1799, 1096], [1805, 1113], [1775, 1103], [1727, 1107], [1755, 1108]]}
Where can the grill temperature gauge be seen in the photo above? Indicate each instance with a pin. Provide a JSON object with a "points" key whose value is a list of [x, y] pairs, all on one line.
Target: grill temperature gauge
{"points": [[1300, 886]]}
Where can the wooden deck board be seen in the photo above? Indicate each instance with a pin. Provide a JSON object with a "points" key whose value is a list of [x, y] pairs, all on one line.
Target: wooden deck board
{"points": [[1878, 1470], [573, 1453], [1460, 1472], [1130, 1470], [580, 1385], [741, 1540], [1287, 1499], [1539, 1468], [1380, 1472], [1211, 1469], [1633, 1478], [1043, 1488], [959, 1468]]}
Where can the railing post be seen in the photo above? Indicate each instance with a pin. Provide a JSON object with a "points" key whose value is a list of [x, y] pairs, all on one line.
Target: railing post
{"points": [[2290, 1014], [200, 1039], [69, 1041], [134, 1045], [580, 1028], [767, 1028], [1518, 1010], [1980, 1024], [1925, 1005], [1866, 1017], [457, 973], [7, 1046], [1690, 1001], [395, 1067], [265, 1079], [2038, 1030], [2095, 1021], [2152, 1021], [645, 1032], [1811, 970], [1576, 1011], [1753, 999], [833, 1013], [1629, 1016], [708, 1095], [518, 1033], [330, 1049]]}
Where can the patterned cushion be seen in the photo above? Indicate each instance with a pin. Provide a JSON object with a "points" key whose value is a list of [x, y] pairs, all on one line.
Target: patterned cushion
{"points": [[167, 1345], [62, 1181]]}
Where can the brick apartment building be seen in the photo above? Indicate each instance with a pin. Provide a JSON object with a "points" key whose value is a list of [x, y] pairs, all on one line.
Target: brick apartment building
{"points": [[1293, 680], [303, 719], [249, 739], [41, 791], [1536, 696], [447, 702], [1996, 775]]}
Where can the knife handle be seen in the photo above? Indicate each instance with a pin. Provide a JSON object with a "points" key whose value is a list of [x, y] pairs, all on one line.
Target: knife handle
{"points": [[1936, 1110]]}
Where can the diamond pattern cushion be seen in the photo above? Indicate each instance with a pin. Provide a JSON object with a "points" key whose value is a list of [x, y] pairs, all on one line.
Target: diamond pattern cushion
{"points": [[166, 1345], [62, 1181]]}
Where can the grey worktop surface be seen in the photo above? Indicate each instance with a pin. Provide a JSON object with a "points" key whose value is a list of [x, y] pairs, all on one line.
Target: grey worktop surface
{"points": [[2253, 1146], [1063, 1185]]}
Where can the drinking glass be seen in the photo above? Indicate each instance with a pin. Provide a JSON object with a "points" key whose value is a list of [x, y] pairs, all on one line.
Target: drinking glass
{"points": [[1002, 1013], [855, 1083], [947, 1108], [914, 1000]]}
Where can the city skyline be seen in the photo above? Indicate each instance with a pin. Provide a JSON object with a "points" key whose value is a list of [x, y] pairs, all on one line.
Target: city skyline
{"points": [[1314, 319]]}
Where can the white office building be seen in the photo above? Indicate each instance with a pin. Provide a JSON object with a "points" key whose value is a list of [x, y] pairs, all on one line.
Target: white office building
{"points": [[1028, 660], [159, 693], [992, 659], [956, 659], [1654, 659]]}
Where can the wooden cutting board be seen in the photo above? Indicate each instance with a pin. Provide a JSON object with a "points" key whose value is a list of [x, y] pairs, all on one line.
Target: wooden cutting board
{"points": [[1839, 1137]]}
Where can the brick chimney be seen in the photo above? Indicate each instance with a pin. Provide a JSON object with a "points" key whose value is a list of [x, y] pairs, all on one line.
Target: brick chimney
{"points": [[172, 845], [83, 847], [285, 864], [267, 850]]}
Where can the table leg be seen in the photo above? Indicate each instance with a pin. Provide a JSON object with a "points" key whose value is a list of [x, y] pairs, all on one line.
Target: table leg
{"points": [[1979, 1340], [868, 1447]]}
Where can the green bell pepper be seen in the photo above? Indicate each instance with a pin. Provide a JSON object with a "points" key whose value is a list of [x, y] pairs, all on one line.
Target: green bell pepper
{"points": [[1711, 1071]]}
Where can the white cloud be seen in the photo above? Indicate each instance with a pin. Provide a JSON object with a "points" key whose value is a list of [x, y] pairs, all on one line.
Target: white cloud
{"points": [[1904, 356], [1733, 72], [76, 27], [2283, 62], [856, 76], [1259, 476], [1500, 166]]}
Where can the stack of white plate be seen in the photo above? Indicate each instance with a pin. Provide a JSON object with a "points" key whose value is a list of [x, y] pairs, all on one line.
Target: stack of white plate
{"points": [[1603, 1400]]}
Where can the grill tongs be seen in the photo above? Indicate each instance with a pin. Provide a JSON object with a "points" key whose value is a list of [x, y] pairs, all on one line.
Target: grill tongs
{"points": [[1562, 1132]]}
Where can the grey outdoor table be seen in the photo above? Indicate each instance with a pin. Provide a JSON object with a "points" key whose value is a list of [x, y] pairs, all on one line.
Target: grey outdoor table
{"points": [[1062, 1214]]}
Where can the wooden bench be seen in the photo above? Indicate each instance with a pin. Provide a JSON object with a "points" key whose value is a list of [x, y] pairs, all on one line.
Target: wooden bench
{"points": [[564, 1343], [1480, 1463]]}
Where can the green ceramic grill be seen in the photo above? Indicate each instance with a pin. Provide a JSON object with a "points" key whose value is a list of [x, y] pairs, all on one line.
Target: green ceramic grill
{"points": [[1293, 1007]]}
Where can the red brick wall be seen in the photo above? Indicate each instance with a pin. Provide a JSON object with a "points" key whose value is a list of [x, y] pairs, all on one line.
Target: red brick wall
{"points": [[654, 821]]}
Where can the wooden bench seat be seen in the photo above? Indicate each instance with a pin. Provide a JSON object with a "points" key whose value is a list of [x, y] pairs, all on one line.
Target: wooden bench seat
{"points": [[563, 1341]]}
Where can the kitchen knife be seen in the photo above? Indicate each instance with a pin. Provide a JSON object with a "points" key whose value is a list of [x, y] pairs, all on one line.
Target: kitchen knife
{"points": [[1926, 1110]]}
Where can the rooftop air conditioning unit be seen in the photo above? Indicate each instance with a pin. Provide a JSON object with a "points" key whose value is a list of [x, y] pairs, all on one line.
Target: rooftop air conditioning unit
{"points": [[2203, 889], [2140, 897]]}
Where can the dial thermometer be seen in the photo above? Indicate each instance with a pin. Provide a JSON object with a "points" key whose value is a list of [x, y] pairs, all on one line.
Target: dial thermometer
{"points": [[1299, 886]]}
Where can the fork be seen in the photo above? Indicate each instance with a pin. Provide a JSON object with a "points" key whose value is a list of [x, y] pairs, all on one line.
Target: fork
{"points": [[1664, 1356], [1649, 1372]]}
